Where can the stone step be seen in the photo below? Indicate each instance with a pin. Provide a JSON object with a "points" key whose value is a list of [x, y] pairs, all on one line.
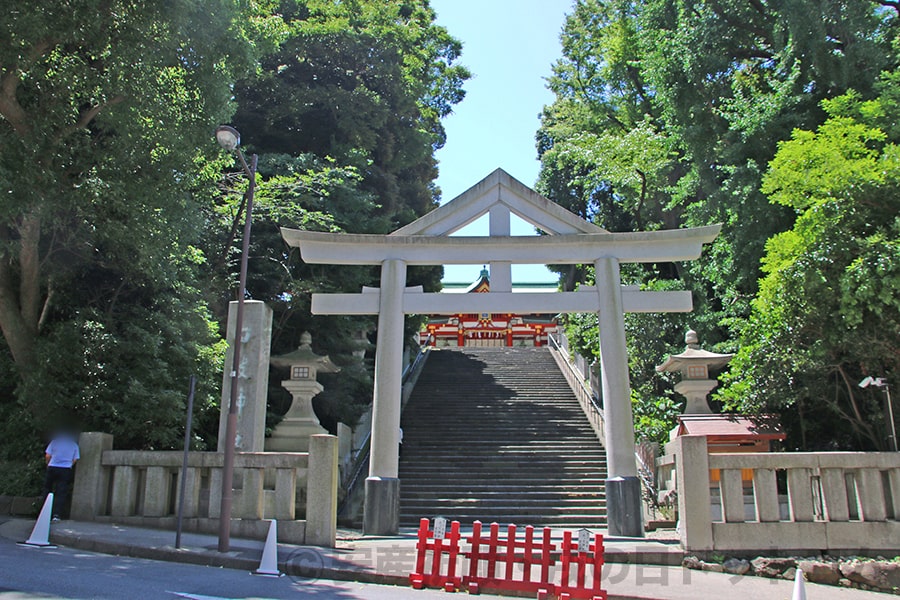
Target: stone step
{"points": [[541, 519], [516, 500], [496, 434], [440, 471], [468, 491], [419, 451], [503, 487]]}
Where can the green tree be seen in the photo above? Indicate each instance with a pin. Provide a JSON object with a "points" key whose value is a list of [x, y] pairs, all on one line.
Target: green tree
{"points": [[106, 109], [733, 78], [101, 103], [667, 113], [828, 311], [346, 116]]}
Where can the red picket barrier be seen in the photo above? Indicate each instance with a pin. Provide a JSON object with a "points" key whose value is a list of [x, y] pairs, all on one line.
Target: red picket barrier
{"points": [[593, 558], [441, 544], [503, 552], [501, 564]]}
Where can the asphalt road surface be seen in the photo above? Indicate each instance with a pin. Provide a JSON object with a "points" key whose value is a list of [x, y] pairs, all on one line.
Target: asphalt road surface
{"points": [[27, 572]]}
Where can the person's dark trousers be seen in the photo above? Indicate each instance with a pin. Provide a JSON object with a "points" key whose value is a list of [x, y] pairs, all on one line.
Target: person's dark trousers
{"points": [[58, 481]]}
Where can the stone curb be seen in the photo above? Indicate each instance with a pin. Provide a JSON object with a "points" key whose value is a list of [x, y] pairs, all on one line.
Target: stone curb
{"points": [[210, 559]]}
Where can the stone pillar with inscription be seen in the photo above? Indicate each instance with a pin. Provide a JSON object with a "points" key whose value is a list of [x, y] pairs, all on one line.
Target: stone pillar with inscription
{"points": [[253, 376]]}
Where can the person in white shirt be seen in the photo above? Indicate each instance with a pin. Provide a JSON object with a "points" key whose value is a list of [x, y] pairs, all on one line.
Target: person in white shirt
{"points": [[61, 456]]}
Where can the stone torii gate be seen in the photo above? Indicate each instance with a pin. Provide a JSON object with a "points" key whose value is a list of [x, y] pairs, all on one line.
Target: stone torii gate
{"points": [[572, 240]]}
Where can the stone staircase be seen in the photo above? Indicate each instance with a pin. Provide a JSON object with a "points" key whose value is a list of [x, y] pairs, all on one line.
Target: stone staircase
{"points": [[495, 434]]}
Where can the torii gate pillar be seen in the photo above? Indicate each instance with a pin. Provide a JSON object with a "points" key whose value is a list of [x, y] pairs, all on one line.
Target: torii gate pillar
{"points": [[381, 515], [623, 488]]}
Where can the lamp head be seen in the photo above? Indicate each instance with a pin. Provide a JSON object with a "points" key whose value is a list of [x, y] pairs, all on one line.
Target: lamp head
{"points": [[878, 382], [228, 137]]}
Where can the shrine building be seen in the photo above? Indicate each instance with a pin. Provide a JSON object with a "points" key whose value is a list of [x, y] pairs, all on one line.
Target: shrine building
{"points": [[488, 329]]}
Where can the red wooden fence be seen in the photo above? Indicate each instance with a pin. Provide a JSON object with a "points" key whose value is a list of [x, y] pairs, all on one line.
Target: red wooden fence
{"points": [[506, 563], [438, 545]]}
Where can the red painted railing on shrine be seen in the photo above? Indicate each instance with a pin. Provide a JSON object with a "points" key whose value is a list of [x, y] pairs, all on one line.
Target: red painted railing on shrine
{"points": [[506, 563]]}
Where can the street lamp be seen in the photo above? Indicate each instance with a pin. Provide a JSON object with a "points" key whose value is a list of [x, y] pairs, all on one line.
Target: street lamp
{"points": [[230, 139], [881, 382]]}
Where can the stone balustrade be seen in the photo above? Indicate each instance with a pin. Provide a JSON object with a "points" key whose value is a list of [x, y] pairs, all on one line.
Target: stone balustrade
{"points": [[803, 502], [299, 489]]}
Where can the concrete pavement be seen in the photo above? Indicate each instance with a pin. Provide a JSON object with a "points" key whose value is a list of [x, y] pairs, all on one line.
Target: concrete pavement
{"points": [[636, 569]]}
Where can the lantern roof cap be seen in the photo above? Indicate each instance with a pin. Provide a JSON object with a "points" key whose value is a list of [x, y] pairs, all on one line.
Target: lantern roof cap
{"points": [[693, 355], [305, 355]]}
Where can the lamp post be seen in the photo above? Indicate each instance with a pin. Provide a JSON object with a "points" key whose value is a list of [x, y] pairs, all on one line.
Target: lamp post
{"points": [[881, 382], [230, 139]]}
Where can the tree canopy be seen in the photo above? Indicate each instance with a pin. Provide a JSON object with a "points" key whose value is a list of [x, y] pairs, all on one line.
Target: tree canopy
{"points": [[346, 116], [669, 113], [121, 216], [828, 309]]}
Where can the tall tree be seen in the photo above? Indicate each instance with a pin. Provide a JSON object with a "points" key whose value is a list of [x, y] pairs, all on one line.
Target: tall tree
{"points": [[101, 103], [668, 112], [106, 113], [346, 116], [828, 311]]}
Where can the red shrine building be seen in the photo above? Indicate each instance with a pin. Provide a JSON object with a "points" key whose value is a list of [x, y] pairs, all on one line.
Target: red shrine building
{"points": [[488, 329]]}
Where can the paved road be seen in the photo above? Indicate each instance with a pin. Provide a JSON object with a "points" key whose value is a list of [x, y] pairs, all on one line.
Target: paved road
{"points": [[65, 573]]}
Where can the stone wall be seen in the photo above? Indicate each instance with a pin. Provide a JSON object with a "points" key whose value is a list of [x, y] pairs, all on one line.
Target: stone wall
{"points": [[142, 488], [837, 502]]}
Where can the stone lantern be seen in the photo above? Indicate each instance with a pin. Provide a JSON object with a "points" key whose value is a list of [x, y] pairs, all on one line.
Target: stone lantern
{"points": [[300, 421], [694, 365]]}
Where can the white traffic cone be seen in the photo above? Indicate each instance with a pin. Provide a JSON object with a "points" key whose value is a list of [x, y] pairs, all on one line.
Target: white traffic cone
{"points": [[799, 589], [269, 564], [40, 535]]}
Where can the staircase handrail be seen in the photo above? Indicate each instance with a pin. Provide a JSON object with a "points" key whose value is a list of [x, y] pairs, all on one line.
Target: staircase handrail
{"points": [[589, 403], [578, 376], [361, 460], [420, 358]]}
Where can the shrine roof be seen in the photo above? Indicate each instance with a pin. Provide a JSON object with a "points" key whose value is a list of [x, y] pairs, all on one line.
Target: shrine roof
{"points": [[459, 287], [482, 284]]}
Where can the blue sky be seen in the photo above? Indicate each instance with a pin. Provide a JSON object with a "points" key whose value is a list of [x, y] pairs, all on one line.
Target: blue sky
{"points": [[509, 45]]}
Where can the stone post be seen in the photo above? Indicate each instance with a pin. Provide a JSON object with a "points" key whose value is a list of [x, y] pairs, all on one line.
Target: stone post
{"points": [[345, 447], [382, 505], [321, 491], [91, 478], [623, 488], [253, 376], [157, 485], [692, 484]]}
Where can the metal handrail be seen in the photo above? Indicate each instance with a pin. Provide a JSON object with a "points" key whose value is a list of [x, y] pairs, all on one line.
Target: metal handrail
{"points": [[362, 456], [578, 376], [411, 367]]}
